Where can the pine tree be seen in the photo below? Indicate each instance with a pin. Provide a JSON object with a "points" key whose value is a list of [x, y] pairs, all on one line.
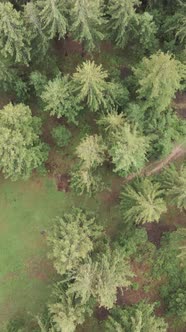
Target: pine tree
{"points": [[59, 100], [142, 202], [159, 78], [90, 85], [71, 239], [86, 22], [122, 18], [52, 16], [175, 185], [135, 318], [20, 148], [14, 39], [128, 150], [101, 277]]}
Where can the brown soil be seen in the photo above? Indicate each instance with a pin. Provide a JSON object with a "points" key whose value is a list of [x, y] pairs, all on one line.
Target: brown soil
{"points": [[38, 268], [67, 47], [63, 182], [180, 104], [129, 296], [101, 313], [155, 231]]}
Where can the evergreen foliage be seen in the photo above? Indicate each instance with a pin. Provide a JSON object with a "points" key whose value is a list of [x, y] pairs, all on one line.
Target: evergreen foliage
{"points": [[86, 22], [86, 181], [112, 121], [52, 17], [68, 311], [34, 26], [58, 99], [90, 85], [122, 18], [61, 136], [159, 78], [91, 151], [135, 318], [175, 184], [71, 239], [128, 150], [142, 202], [101, 278], [20, 148], [14, 39]]}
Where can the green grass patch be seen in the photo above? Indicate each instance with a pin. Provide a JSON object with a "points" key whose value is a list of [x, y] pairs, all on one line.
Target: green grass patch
{"points": [[28, 208]]}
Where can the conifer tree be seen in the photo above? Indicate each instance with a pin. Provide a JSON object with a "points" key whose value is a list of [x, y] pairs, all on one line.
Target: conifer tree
{"points": [[159, 78], [90, 85], [122, 18], [101, 277], [128, 150], [86, 22], [20, 148], [59, 100], [86, 181], [91, 151], [71, 239], [135, 318], [175, 185], [67, 311], [112, 121], [142, 202], [34, 26], [52, 16], [14, 39]]}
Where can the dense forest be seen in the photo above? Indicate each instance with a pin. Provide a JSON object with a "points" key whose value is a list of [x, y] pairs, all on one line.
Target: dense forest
{"points": [[92, 162]]}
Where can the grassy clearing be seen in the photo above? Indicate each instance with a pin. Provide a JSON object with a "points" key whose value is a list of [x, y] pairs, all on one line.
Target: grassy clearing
{"points": [[27, 208]]}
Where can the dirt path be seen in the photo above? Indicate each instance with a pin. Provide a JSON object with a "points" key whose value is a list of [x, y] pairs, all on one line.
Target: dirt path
{"points": [[157, 166]]}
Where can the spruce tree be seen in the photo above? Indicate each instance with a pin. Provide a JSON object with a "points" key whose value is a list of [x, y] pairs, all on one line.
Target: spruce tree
{"points": [[67, 311], [71, 239], [122, 18], [136, 318], [159, 78], [175, 184], [52, 16], [14, 39], [90, 85], [86, 22], [142, 202], [91, 151], [21, 150], [100, 278], [128, 150], [59, 100]]}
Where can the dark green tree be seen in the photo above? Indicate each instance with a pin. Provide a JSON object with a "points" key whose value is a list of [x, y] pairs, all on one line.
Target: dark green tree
{"points": [[14, 39], [122, 19], [52, 16], [86, 22]]}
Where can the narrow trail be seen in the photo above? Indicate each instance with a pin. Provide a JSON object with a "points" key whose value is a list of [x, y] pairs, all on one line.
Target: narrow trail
{"points": [[157, 166], [152, 168]]}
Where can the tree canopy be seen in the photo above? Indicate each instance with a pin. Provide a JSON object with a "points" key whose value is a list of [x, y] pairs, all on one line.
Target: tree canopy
{"points": [[21, 150]]}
